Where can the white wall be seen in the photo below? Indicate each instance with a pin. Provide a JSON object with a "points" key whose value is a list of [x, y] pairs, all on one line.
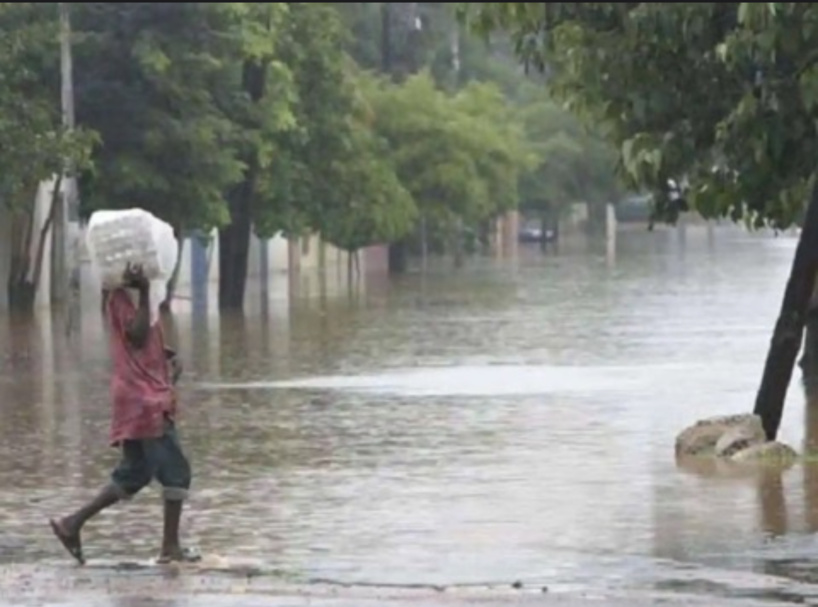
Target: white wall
{"points": [[284, 258], [277, 260], [278, 248], [183, 284]]}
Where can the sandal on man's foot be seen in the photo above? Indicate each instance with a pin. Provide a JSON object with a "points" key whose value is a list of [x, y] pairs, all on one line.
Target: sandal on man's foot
{"points": [[71, 542], [185, 555]]}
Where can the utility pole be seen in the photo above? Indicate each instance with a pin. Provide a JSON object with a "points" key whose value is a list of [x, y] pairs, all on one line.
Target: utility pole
{"points": [[386, 38], [454, 42], [59, 226], [69, 269], [397, 250]]}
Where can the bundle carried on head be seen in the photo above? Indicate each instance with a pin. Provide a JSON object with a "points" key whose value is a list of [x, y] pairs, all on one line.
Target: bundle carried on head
{"points": [[135, 237]]}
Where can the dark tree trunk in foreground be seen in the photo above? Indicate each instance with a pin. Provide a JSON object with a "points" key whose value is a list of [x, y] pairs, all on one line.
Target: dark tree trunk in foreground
{"points": [[789, 329], [234, 239], [234, 245]]}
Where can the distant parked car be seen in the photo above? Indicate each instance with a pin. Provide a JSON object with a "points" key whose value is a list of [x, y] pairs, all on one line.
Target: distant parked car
{"points": [[528, 235]]}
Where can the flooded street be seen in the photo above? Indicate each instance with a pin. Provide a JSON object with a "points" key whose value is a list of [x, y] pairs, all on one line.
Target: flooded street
{"points": [[511, 422]]}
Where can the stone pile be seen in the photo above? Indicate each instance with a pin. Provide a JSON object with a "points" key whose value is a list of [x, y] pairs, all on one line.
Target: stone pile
{"points": [[737, 438]]}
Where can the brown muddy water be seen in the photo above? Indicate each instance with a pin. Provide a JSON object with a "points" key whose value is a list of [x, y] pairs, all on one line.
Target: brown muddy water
{"points": [[513, 421]]}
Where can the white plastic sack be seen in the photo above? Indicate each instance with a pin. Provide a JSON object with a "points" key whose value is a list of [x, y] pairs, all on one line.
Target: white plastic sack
{"points": [[135, 236]]}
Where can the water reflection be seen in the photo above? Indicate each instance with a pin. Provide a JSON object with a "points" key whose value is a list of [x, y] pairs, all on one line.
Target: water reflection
{"points": [[810, 451], [772, 502], [798, 562], [785, 553], [511, 421]]}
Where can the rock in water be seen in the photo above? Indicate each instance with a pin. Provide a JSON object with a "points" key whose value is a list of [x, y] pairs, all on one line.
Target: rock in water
{"points": [[703, 437], [741, 437], [772, 452]]}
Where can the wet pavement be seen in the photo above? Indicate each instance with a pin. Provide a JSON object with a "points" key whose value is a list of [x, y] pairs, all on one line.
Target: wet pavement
{"points": [[513, 421], [217, 583], [133, 585]]}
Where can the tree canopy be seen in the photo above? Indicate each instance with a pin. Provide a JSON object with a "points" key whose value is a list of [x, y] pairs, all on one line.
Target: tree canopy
{"points": [[717, 99], [354, 120]]}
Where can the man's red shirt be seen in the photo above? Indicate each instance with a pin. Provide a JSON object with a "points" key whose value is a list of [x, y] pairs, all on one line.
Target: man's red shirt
{"points": [[142, 394]]}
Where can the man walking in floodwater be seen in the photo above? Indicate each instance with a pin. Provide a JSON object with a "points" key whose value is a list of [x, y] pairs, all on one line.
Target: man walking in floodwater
{"points": [[142, 422]]}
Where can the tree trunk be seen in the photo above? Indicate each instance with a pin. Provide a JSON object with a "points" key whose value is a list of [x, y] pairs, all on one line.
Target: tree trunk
{"points": [[397, 257], [459, 256], [174, 277], [25, 272], [596, 219], [424, 243], [544, 223], [789, 329], [234, 245], [234, 240], [103, 299], [21, 298], [393, 14]]}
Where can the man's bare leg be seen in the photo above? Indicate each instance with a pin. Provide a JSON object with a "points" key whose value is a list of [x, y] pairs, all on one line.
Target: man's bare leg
{"points": [[67, 529], [172, 550]]}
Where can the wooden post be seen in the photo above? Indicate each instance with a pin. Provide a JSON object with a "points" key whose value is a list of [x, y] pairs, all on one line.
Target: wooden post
{"points": [[69, 219], [789, 329], [610, 234], [454, 44]]}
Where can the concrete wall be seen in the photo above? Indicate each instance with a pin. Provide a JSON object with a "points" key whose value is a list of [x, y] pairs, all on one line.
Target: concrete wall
{"points": [[375, 259], [211, 246], [278, 249], [277, 268], [270, 263]]}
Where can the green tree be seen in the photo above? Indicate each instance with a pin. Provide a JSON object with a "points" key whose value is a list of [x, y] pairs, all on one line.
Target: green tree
{"points": [[496, 139], [300, 181], [329, 174], [168, 143], [152, 101], [433, 45], [458, 155], [372, 206], [364, 23], [258, 95], [582, 169], [717, 117], [34, 146], [572, 164]]}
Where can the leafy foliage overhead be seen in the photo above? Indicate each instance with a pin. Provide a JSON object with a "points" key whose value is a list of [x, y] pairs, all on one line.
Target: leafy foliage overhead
{"points": [[718, 97]]}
